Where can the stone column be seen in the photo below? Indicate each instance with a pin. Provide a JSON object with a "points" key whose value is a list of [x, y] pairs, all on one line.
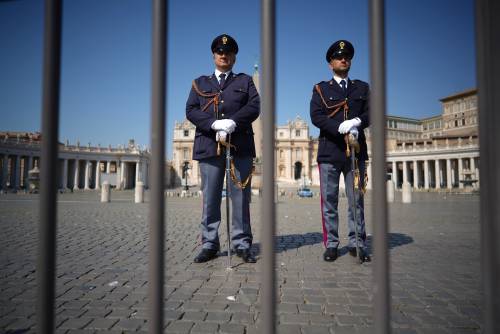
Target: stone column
{"points": [[395, 173], [415, 174], [476, 169], [473, 170], [124, 175], [119, 175], [87, 175], [77, 175], [426, 174], [460, 172], [137, 172], [65, 174], [5, 171], [98, 175], [448, 173], [17, 172], [437, 173], [108, 166], [405, 173]]}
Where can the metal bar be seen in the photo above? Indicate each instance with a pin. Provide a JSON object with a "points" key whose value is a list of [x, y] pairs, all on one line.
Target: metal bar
{"points": [[381, 267], [268, 45], [46, 265], [157, 207], [488, 81]]}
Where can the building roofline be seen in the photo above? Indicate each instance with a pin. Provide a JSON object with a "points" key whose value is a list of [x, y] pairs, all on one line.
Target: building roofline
{"points": [[464, 93]]}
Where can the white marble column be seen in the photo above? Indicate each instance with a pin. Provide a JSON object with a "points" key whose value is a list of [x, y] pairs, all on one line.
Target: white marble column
{"points": [[437, 174], [87, 175], [98, 175], [473, 170], [137, 172], [476, 171], [426, 174], [415, 174], [77, 175], [395, 173], [17, 172], [448, 174], [65, 174], [5, 171], [108, 166], [119, 175], [405, 172], [460, 172]]}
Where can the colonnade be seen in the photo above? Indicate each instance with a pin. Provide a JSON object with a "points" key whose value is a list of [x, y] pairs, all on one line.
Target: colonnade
{"points": [[74, 173], [439, 173]]}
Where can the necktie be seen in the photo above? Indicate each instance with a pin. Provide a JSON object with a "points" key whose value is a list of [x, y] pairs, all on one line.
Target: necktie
{"points": [[343, 85], [222, 80]]}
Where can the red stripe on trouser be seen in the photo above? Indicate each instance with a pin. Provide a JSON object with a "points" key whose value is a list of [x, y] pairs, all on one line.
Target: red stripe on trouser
{"points": [[325, 236]]}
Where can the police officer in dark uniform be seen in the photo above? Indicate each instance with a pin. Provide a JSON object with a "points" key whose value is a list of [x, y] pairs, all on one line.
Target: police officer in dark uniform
{"points": [[223, 106], [339, 107]]}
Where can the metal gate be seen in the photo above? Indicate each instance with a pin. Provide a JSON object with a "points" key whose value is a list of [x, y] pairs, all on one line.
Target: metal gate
{"points": [[488, 75]]}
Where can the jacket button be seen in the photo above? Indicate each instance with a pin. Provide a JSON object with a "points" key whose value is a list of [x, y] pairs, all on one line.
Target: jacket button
{"points": [[222, 115]]}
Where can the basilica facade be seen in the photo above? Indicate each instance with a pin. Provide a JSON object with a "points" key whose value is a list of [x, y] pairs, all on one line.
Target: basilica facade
{"points": [[438, 152]]}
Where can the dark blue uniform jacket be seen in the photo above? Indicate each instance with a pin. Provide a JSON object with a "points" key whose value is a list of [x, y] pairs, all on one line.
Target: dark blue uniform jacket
{"points": [[239, 101], [331, 146]]}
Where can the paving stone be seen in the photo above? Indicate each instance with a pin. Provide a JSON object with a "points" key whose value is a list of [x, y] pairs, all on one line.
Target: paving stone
{"points": [[180, 327], [103, 271], [75, 323], [231, 329], [205, 327]]}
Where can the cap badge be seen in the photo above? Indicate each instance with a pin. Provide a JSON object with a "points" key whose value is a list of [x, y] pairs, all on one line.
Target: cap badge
{"points": [[224, 40], [342, 44]]}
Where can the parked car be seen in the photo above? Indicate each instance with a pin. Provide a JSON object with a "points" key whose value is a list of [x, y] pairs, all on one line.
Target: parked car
{"points": [[304, 192]]}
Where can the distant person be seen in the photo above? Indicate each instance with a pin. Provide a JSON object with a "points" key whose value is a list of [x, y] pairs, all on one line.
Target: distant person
{"points": [[339, 107], [223, 106]]}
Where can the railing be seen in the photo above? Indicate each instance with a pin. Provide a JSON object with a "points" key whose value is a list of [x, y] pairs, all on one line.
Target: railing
{"points": [[488, 35]]}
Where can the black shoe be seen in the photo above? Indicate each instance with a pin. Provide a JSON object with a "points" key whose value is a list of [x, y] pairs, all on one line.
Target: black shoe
{"points": [[363, 254], [246, 255], [205, 255], [330, 254]]}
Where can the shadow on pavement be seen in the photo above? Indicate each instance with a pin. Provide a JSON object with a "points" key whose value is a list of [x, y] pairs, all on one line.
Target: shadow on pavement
{"points": [[293, 241]]}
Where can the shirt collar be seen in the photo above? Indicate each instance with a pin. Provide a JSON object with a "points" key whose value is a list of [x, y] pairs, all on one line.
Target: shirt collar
{"points": [[218, 73], [338, 79]]}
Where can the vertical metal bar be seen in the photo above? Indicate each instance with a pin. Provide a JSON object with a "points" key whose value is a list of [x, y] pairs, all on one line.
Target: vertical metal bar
{"points": [[157, 207], [379, 209], [48, 168], [488, 79], [268, 44]]}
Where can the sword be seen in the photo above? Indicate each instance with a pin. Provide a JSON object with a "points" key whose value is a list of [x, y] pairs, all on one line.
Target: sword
{"points": [[228, 225], [354, 147]]}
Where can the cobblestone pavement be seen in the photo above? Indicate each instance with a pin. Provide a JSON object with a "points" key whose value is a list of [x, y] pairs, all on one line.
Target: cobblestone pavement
{"points": [[102, 269]]}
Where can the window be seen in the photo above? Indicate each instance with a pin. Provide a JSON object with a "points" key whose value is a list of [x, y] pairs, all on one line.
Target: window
{"points": [[185, 153], [297, 133], [281, 134], [186, 133], [298, 154]]}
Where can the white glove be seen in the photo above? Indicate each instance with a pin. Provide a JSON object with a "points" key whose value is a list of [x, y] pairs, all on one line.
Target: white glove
{"points": [[347, 125], [229, 125], [354, 131], [221, 136], [218, 125]]}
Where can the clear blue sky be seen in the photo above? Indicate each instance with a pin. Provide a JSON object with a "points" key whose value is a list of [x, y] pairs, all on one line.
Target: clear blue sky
{"points": [[106, 58]]}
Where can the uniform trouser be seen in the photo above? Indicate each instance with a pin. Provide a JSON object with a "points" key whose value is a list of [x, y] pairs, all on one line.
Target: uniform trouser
{"points": [[212, 180], [329, 181]]}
